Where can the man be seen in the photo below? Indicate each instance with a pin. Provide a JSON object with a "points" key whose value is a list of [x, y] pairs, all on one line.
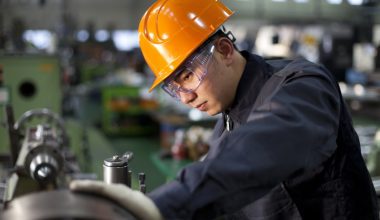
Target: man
{"points": [[285, 147]]}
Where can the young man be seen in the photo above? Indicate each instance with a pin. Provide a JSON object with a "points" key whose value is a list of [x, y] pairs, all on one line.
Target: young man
{"points": [[285, 147]]}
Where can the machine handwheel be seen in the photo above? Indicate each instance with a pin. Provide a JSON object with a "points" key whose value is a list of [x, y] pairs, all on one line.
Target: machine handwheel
{"points": [[41, 116]]}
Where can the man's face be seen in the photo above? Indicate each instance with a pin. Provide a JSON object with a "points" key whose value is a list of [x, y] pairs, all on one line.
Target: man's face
{"points": [[213, 95], [205, 81]]}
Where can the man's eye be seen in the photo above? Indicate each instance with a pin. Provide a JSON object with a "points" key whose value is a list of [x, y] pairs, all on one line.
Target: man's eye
{"points": [[185, 76]]}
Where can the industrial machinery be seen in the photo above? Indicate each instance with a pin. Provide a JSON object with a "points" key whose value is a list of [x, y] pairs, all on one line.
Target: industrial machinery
{"points": [[39, 169], [116, 170], [25, 80], [37, 153]]}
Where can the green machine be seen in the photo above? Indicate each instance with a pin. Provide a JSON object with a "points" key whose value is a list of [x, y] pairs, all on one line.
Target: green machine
{"points": [[28, 82]]}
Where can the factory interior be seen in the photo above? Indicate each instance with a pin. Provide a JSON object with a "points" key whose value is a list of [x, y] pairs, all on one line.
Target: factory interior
{"points": [[74, 70]]}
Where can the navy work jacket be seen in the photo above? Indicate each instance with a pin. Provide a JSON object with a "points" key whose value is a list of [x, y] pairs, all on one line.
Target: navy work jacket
{"points": [[285, 149]]}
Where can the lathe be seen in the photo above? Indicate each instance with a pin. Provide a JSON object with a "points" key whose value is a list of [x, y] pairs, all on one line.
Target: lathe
{"points": [[40, 167]]}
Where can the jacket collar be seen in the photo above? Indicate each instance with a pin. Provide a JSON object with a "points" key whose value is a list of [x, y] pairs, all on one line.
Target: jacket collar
{"points": [[255, 74]]}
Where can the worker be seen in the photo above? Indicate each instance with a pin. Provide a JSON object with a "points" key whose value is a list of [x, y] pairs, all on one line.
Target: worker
{"points": [[284, 146]]}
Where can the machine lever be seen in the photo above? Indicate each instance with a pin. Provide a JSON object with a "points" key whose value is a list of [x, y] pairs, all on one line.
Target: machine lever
{"points": [[142, 182]]}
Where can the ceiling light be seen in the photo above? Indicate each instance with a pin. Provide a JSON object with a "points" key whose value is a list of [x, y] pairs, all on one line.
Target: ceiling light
{"points": [[334, 2], [355, 2]]}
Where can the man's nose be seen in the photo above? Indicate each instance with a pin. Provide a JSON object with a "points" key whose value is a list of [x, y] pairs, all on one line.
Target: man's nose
{"points": [[187, 98]]}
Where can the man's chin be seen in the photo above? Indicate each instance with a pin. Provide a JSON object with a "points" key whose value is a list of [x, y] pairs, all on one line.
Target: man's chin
{"points": [[211, 112]]}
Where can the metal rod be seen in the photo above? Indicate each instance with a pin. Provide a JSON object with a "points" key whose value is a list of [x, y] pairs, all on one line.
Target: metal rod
{"points": [[13, 143]]}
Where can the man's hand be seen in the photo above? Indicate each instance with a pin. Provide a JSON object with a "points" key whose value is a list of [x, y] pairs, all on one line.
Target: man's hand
{"points": [[134, 201]]}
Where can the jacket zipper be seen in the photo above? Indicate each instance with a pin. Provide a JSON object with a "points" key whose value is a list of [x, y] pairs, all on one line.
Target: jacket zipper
{"points": [[228, 123]]}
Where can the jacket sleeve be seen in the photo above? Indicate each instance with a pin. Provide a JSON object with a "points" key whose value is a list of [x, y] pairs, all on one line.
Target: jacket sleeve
{"points": [[294, 131]]}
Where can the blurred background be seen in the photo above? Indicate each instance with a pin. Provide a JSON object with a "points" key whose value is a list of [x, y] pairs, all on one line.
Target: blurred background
{"points": [[81, 60]]}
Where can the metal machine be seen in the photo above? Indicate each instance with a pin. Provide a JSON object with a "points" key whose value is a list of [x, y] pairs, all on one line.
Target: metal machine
{"points": [[26, 78], [40, 168], [40, 159], [115, 170]]}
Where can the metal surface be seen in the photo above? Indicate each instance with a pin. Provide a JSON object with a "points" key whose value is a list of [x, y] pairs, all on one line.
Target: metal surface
{"points": [[116, 161], [41, 152], [39, 165], [64, 204], [42, 159], [50, 119], [115, 170], [44, 168], [12, 133]]}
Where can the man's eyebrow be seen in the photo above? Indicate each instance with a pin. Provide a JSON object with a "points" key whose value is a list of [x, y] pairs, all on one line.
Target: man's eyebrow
{"points": [[184, 71]]}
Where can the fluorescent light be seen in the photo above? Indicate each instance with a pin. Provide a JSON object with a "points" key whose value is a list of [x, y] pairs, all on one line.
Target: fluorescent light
{"points": [[41, 39], [334, 2], [125, 39], [355, 2]]}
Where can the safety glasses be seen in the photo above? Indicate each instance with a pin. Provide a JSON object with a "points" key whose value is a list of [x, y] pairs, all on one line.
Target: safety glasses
{"points": [[191, 74]]}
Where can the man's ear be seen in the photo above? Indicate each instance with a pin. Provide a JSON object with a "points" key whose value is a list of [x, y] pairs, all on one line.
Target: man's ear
{"points": [[226, 48]]}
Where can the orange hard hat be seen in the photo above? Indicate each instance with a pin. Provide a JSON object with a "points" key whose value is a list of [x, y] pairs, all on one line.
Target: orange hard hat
{"points": [[171, 30]]}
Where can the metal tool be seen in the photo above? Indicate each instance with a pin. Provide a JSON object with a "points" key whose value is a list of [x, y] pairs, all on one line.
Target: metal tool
{"points": [[13, 136], [115, 169]]}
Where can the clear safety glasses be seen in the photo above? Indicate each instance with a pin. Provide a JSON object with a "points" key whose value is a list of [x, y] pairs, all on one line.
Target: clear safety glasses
{"points": [[191, 74]]}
